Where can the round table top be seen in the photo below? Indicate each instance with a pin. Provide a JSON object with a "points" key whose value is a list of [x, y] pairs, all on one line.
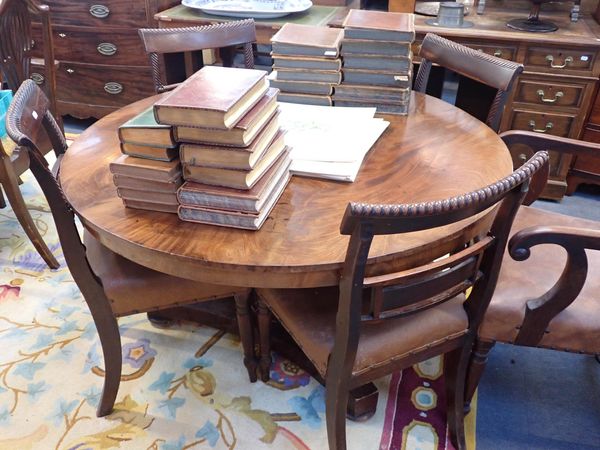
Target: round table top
{"points": [[435, 152]]}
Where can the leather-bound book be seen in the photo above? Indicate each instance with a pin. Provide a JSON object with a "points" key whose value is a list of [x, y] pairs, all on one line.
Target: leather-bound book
{"points": [[300, 87], [144, 130], [150, 206], [383, 108], [243, 158], [305, 62], [122, 181], [400, 96], [379, 25], [317, 76], [398, 64], [377, 78], [307, 40], [242, 134], [237, 179], [306, 99], [376, 48], [233, 219], [147, 169], [150, 152], [250, 201], [213, 97], [165, 198]]}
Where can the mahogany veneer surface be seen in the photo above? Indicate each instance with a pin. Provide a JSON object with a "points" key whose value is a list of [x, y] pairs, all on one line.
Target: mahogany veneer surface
{"points": [[435, 152]]}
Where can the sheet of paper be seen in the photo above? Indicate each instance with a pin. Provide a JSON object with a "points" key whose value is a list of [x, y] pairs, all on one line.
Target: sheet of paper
{"points": [[329, 142]]}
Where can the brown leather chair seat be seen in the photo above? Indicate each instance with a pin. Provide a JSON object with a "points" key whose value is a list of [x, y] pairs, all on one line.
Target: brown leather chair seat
{"points": [[312, 323], [132, 288], [521, 281]]}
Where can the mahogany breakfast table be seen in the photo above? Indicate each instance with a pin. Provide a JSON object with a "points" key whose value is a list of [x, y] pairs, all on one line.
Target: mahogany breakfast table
{"points": [[437, 151]]}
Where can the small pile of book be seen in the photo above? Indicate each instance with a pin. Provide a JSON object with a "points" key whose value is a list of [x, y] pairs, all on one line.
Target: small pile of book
{"points": [[234, 158], [377, 61], [306, 63], [148, 173]]}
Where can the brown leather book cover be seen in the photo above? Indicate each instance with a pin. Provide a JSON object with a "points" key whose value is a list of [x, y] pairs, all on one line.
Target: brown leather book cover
{"points": [[150, 152], [380, 20], [150, 206], [242, 134], [122, 181], [307, 40], [147, 169], [237, 179], [242, 158], [250, 201], [165, 198], [213, 97]]}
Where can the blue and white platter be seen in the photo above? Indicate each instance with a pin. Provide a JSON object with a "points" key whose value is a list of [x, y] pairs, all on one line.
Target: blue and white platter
{"points": [[259, 9]]}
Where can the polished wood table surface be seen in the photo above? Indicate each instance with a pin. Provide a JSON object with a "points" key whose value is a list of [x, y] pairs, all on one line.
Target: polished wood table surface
{"points": [[435, 152]]}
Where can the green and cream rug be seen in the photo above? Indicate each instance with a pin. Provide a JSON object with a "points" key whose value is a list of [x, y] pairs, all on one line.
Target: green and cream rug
{"points": [[184, 387]]}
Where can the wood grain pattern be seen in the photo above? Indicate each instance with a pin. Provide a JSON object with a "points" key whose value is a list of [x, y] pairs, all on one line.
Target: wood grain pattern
{"points": [[122, 13], [300, 244]]}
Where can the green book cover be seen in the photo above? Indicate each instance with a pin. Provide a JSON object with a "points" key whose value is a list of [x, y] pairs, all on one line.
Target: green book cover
{"points": [[144, 130]]}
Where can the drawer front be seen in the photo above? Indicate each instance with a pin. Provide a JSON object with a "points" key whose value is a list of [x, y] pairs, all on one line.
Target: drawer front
{"points": [[589, 163], [98, 13], [500, 51], [550, 123], [103, 85], [577, 61], [121, 47], [550, 93]]}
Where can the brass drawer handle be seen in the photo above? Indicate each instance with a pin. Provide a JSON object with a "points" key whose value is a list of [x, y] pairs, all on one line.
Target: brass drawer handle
{"points": [[541, 94], [99, 11], [70, 71], [548, 126], [568, 60], [106, 48], [62, 35], [37, 78], [113, 87], [498, 53]]}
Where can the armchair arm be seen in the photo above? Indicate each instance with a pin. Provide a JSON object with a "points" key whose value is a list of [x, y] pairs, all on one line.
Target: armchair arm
{"points": [[537, 142], [540, 311]]}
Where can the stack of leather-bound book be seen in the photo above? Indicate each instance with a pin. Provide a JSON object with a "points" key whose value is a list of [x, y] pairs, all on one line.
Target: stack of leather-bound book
{"points": [[148, 173], [234, 158], [306, 63], [377, 61]]}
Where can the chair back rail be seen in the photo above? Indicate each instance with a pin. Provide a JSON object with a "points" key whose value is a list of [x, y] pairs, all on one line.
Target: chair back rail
{"points": [[425, 287], [490, 70], [158, 41]]}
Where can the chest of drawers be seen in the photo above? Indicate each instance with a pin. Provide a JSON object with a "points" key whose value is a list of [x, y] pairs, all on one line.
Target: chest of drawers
{"points": [[555, 93], [103, 65]]}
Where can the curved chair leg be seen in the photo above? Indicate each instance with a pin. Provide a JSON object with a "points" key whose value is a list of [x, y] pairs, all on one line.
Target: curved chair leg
{"points": [[242, 310], [15, 198], [455, 372], [110, 339], [477, 362], [2, 201], [264, 332], [336, 402]]}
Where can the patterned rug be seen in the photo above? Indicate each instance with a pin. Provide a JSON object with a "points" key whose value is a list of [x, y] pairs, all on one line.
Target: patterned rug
{"points": [[184, 387]]}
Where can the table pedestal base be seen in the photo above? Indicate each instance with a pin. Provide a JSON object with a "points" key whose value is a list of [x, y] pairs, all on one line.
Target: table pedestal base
{"points": [[220, 314]]}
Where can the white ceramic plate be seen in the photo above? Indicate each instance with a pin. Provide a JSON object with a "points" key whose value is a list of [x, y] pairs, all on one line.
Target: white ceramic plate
{"points": [[260, 9]]}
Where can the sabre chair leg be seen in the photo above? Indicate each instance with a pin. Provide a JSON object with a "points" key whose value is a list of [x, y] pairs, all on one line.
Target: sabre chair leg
{"points": [[336, 402], [456, 363], [110, 338], [264, 332], [242, 310], [477, 362], [15, 198]]}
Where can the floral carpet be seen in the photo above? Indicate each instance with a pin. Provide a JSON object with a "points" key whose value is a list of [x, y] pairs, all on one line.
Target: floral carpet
{"points": [[183, 387]]}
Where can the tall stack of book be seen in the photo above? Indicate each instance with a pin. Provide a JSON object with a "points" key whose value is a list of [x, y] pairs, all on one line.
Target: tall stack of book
{"points": [[306, 63], [234, 158], [377, 61], [148, 173]]}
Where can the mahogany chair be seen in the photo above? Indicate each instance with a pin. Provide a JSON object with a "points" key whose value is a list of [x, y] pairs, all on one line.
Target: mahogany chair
{"points": [[112, 286], [223, 36], [16, 45], [477, 66], [548, 292], [370, 326]]}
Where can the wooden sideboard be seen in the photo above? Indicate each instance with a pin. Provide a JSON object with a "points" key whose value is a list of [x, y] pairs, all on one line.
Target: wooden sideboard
{"points": [[556, 91], [103, 65]]}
